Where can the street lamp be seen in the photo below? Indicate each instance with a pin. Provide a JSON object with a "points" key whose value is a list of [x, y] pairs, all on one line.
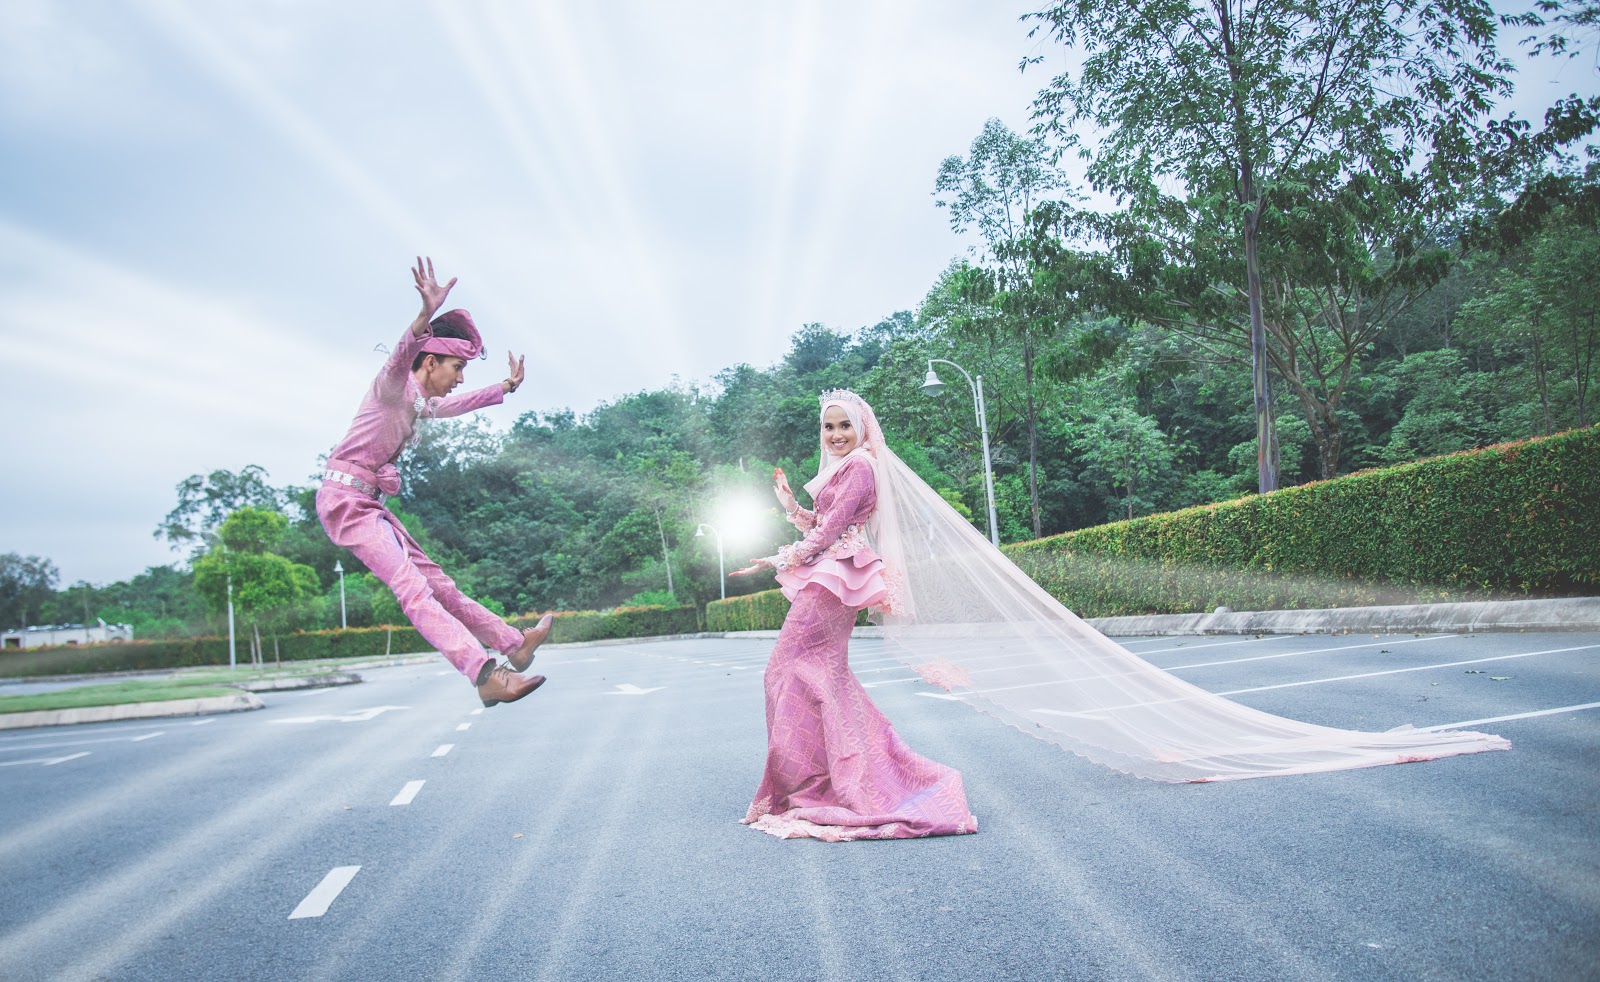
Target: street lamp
{"points": [[722, 578], [338, 567], [932, 386]]}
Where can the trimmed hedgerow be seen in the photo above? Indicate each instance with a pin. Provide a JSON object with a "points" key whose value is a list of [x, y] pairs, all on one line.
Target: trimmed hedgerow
{"points": [[762, 611], [623, 622], [581, 625], [1516, 519]]}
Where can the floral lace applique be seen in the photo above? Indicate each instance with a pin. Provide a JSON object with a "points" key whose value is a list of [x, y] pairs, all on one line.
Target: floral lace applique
{"points": [[945, 674]]}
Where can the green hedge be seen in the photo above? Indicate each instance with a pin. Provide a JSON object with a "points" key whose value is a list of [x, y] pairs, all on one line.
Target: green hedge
{"points": [[1516, 519], [623, 622], [584, 625], [1511, 520], [762, 611]]}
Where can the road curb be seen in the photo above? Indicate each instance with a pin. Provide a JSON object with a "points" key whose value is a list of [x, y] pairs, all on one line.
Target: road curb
{"points": [[322, 681], [133, 710], [1476, 617]]}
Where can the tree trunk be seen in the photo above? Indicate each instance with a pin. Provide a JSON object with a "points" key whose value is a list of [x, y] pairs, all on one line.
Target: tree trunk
{"points": [[1583, 363], [666, 557], [1033, 438], [1266, 431], [1542, 383]]}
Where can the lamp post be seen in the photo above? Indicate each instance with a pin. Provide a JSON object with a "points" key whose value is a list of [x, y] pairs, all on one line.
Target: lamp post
{"points": [[932, 386], [722, 577], [338, 567], [233, 659]]}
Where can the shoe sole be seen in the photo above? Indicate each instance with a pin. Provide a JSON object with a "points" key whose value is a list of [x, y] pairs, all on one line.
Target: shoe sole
{"points": [[495, 702]]}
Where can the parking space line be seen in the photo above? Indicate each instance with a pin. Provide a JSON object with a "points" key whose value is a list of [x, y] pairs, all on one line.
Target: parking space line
{"points": [[45, 761], [444, 748], [408, 793], [1310, 651], [73, 743], [1417, 668], [1502, 719], [323, 894], [1260, 688]]}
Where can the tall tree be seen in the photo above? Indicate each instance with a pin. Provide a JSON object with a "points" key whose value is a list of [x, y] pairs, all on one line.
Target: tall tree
{"points": [[997, 191], [1234, 101], [206, 501], [26, 584], [263, 583]]}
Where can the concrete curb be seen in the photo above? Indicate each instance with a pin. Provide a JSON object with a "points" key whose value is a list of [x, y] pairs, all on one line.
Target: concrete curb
{"points": [[1562, 614], [322, 681], [133, 710]]}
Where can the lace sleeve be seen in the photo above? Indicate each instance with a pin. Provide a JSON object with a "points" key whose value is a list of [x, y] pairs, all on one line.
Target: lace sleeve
{"points": [[802, 518], [854, 497]]}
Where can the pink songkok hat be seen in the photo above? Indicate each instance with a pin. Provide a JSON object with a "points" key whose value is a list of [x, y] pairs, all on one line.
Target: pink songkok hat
{"points": [[469, 347]]}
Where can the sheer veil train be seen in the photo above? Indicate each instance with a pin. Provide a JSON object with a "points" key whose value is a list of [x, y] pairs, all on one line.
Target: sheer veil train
{"points": [[966, 618]]}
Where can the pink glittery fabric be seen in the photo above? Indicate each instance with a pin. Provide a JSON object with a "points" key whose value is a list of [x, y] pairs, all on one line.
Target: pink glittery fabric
{"points": [[836, 769], [445, 617]]}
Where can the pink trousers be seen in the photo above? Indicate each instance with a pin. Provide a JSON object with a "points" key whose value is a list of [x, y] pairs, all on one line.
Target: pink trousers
{"points": [[445, 617]]}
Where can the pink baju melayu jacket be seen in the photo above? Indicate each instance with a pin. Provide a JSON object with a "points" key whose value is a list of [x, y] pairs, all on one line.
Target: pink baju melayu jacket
{"points": [[361, 468]]}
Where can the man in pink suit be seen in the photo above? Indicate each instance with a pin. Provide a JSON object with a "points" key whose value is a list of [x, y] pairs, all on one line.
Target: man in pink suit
{"points": [[428, 362]]}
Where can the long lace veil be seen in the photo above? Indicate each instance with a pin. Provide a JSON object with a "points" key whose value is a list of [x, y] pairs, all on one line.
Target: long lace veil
{"points": [[968, 619]]}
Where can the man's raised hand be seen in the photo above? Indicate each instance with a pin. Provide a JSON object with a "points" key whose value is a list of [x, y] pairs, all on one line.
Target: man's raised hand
{"points": [[433, 294], [515, 374]]}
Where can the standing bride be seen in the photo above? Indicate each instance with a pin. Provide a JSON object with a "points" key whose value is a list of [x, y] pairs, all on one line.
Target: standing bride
{"points": [[964, 617], [836, 769]]}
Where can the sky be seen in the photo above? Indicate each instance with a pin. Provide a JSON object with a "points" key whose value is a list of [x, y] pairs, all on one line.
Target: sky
{"points": [[208, 211]]}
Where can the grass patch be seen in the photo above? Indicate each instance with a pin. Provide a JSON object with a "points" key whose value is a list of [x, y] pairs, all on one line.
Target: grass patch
{"points": [[114, 694]]}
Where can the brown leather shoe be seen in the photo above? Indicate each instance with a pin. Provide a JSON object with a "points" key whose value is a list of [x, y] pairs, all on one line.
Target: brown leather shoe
{"points": [[532, 638], [504, 685]]}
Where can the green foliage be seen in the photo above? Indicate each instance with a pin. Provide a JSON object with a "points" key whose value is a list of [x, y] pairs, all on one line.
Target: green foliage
{"points": [[26, 584], [762, 611], [621, 622], [1516, 518]]}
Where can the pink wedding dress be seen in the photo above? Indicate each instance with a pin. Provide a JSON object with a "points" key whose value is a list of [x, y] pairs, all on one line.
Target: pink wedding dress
{"points": [[836, 769]]}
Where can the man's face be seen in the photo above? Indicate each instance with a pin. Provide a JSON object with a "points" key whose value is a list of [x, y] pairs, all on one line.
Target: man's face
{"points": [[441, 373]]}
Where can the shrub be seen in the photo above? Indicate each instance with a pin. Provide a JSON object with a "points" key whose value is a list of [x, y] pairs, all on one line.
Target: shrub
{"points": [[1514, 519], [762, 611], [369, 642], [621, 622]]}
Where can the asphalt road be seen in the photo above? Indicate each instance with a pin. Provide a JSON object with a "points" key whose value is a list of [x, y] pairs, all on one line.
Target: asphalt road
{"points": [[591, 832]]}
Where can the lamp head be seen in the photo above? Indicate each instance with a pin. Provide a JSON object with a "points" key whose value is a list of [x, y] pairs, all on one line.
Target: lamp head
{"points": [[700, 532], [338, 567], [931, 384]]}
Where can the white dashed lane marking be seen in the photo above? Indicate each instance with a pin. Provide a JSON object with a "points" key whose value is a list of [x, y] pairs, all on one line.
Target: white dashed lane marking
{"points": [[408, 793], [444, 748], [463, 726], [325, 893]]}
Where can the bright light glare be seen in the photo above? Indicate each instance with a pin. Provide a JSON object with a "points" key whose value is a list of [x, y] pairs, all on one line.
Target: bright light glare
{"points": [[741, 519]]}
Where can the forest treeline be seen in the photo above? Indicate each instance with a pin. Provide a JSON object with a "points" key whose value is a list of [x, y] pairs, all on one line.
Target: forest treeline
{"points": [[1323, 251]]}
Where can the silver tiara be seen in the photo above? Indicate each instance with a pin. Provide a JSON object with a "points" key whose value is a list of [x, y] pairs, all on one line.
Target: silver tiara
{"points": [[840, 395]]}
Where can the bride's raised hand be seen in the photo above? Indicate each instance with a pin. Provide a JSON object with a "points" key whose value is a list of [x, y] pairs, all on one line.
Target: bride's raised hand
{"points": [[756, 566], [432, 293], [780, 487]]}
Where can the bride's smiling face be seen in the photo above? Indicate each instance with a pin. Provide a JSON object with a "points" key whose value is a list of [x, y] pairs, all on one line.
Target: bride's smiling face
{"points": [[837, 434]]}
